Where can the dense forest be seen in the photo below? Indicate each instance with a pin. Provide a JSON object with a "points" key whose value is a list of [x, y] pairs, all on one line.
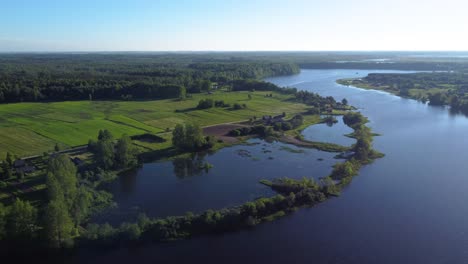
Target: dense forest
{"points": [[57, 77]]}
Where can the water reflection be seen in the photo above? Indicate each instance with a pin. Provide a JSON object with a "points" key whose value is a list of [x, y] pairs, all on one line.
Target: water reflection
{"points": [[190, 166]]}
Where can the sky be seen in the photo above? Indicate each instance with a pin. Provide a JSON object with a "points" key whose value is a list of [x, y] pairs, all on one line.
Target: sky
{"points": [[232, 25]]}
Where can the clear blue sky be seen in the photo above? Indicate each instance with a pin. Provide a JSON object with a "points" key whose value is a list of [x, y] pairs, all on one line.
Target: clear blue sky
{"points": [[160, 25]]}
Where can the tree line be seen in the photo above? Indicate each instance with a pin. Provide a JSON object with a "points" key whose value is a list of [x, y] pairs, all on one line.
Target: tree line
{"points": [[67, 77]]}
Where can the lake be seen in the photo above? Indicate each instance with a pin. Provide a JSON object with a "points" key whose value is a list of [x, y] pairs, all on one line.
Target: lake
{"points": [[175, 187], [408, 207]]}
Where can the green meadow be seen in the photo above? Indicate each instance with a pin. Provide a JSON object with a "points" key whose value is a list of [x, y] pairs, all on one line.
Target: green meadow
{"points": [[32, 128]]}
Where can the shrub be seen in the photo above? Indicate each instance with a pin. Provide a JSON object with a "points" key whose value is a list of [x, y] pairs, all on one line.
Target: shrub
{"points": [[237, 106], [205, 104]]}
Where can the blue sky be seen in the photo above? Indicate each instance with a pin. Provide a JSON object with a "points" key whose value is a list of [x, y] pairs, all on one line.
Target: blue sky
{"points": [[184, 25]]}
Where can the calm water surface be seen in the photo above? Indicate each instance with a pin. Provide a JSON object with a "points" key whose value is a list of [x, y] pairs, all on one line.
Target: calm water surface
{"points": [[176, 187], [409, 207], [331, 133]]}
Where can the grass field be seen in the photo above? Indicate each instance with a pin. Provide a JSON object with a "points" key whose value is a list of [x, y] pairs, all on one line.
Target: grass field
{"points": [[32, 128]]}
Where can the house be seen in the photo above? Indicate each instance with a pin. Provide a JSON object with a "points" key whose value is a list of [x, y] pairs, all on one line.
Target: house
{"points": [[21, 167], [77, 161], [26, 169], [19, 163]]}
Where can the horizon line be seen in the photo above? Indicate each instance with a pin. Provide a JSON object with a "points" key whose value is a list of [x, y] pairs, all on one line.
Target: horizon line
{"points": [[226, 51]]}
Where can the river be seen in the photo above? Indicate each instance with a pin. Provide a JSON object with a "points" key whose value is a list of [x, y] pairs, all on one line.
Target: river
{"points": [[408, 207]]}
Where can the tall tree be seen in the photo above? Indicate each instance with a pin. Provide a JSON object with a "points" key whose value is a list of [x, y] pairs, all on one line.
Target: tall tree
{"points": [[105, 153], [59, 225], [125, 152], [64, 171], [178, 136]]}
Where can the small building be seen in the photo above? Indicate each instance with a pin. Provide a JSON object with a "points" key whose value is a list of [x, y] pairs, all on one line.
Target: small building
{"points": [[26, 169], [21, 167], [19, 163], [77, 161]]}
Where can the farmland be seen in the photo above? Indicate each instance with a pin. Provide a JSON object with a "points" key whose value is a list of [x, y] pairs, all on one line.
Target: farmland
{"points": [[32, 128]]}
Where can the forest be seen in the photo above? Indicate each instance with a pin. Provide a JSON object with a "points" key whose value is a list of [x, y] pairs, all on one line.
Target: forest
{"points": [[60, 77]]}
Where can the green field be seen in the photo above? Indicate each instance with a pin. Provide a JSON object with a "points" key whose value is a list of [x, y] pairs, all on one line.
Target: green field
{"points": [[32, 128]]}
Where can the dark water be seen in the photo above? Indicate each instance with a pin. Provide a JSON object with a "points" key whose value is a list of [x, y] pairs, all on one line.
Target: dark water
{"points": [[176, 187], [409, 207]]}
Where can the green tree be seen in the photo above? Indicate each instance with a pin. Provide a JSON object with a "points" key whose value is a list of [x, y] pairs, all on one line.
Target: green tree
{"points": [[182, 94], [194, 136], [6, 171], [64, 171], [206, 85], [105, 135], [22, 220], [54, 190], [188, 137], [125, 155], [178, 136], [105, 154], [59, 225]]}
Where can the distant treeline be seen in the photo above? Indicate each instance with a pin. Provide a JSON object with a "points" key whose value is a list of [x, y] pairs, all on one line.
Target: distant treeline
{"points": [[87, 77], [408, 66]]}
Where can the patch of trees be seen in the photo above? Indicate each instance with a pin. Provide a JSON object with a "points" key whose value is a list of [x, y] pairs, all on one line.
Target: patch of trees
{"points": [[354, 119], [210, 103], [260, 130], [319, 103], [110, 153], [285, 125], [189, 137], [205, 103], [363, 151]]}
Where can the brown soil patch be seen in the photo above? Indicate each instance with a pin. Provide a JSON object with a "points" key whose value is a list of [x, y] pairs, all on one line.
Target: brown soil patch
{"points": [[221, 132]]}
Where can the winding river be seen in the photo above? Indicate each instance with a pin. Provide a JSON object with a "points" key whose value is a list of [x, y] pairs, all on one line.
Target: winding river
{"points": [[409, 207]]}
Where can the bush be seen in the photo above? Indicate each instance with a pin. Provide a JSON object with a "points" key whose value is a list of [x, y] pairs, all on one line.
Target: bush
{"points": [[205, 104], [237, 106], [219, 103]]}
